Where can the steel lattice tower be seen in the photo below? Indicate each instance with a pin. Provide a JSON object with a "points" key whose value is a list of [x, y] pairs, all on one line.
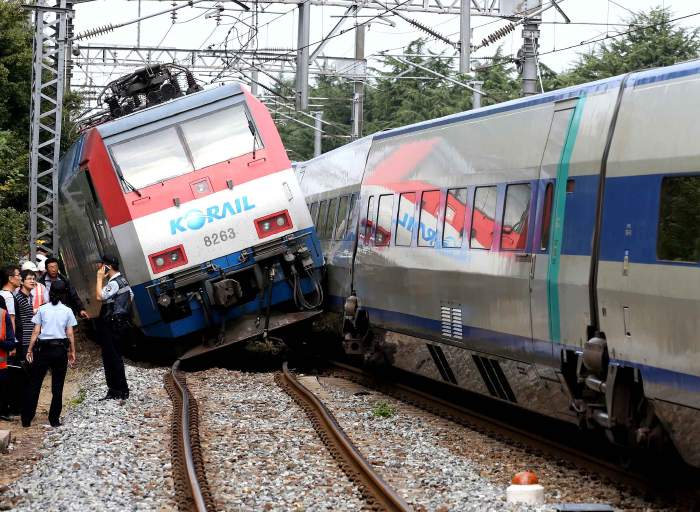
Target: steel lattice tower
{"points": [[48, 74]]}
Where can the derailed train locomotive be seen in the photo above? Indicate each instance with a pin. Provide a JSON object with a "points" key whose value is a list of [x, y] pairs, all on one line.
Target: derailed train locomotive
{"points": [[197, 199], [543, 251]]}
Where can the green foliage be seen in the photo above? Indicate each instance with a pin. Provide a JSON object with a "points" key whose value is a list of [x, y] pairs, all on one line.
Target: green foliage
{"points": [[14, 162], [13, 235], [679, 224], [652, 41], [79, 398], [15, 67], [383, 410]]}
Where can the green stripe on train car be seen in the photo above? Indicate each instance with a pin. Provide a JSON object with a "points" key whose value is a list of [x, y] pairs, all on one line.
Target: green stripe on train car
{"points": [[558, 222]]}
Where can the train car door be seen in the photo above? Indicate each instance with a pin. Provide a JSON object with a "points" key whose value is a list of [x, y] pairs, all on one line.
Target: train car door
{"points": [[549, 229]]}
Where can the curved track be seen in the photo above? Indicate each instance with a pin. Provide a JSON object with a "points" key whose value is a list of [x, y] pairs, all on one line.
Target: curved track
{"points": [[191, 484], [524, 437], [376, 491]]}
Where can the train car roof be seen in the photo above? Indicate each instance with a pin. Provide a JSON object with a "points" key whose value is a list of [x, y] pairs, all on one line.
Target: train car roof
{"points": [[169, 108], [636, 79]]}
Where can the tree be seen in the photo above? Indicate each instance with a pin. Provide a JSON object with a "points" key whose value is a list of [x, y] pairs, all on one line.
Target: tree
{"points": [[13, 236], [652, 40]]}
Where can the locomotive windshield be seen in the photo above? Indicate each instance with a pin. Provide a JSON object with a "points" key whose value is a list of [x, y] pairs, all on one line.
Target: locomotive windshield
{"points": [[184, 147]]}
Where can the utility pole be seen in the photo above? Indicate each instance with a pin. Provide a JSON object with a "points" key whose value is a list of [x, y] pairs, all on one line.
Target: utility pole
{"points": [[358, 96], [318, 130], [476, 93], [531, 36], [465, 36], [48, 84], [302, 73]]}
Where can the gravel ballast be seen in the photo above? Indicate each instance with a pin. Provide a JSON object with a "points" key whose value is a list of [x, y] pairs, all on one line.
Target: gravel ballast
{"points": [[438, 465], [108, 455], [260, 450]]}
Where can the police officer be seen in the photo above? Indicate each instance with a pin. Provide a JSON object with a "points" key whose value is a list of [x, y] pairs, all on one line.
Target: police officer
{"points": [[52, 346], [114, 322]]}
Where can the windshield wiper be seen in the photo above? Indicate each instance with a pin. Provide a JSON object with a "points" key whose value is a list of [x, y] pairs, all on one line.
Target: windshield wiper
{"points": [[128, 185], [251, 127]]}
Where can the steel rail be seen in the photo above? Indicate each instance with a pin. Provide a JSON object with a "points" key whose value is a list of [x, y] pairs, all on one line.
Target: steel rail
{"points": [[519, 437], [360, 470], [192, 475]]}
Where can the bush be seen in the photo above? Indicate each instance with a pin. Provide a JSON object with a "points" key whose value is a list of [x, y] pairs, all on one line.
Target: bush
{"points": [[13, 236]]}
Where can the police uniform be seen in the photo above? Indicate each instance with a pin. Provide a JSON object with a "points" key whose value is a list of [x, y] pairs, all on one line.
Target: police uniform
{"points": [[50, 352], [115, 321]]}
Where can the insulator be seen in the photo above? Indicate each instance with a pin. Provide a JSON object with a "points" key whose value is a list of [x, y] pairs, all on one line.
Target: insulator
{"points": [[428, 30], [498, 34], [95, 32]]}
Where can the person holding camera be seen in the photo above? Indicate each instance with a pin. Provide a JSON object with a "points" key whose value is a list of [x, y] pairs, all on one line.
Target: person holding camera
{"points": [[52, 346], [114, 322]]}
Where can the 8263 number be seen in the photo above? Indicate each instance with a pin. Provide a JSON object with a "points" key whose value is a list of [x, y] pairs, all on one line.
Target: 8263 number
{"points": [[220, 237]]}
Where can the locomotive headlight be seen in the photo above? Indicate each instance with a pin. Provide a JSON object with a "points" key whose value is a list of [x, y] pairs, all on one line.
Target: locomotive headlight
{"points": [[167, 259], [271, 224]]}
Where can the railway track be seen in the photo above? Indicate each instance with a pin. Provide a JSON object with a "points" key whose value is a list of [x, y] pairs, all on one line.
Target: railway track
{"points": [[376, 491], [191, 485], [686, 497]]}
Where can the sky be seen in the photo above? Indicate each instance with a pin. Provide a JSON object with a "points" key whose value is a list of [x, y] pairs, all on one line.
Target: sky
{"points": [[194, 28]]}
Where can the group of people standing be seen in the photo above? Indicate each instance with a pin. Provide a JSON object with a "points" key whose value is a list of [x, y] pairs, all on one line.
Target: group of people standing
{"points": [[37, 315]]}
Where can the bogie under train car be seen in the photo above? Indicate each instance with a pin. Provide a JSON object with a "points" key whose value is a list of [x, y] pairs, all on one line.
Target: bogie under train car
{"points": [[543, 251], [197, 199]]}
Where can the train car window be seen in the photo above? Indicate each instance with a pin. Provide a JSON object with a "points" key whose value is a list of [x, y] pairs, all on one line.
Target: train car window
{"points": [[546, 216], [382, 235], [405, 219], [314, 212], [516, 218], [679, 219], [332, 210], [352, 215], [455, 213], [483, 218], [427, 223], [151, 158], [219, 136], [369, 222], [342, 221], [322, 217]]}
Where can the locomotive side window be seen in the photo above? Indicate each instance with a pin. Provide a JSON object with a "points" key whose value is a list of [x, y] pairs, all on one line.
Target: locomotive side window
{"points": [[516, 218], [546, 216], [427, 223], [405, 219], [332, 210], [382, 235], [342, 221], [455, 210], [314, 212], [322, 216], [369, 222], [219, 136], [679, 219], [151, 158], [483, 218]]}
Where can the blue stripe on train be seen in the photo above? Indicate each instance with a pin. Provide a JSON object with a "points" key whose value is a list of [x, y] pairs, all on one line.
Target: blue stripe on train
{"points": [[480, 339], [153, 326]]}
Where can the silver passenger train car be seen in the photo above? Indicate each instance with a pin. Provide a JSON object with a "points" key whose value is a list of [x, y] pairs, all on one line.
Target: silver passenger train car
{"points": [[544, 251]]}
